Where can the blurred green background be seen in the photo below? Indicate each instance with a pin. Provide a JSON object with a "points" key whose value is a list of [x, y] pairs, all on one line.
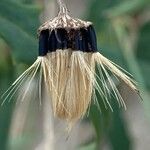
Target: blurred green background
{"points": [[123, 32]]}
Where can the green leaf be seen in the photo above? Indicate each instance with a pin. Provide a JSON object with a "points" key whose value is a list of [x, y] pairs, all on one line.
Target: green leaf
{"points": [[118, 134], [23, 45], [100, 121], [145, 68], [100, 117], [127, 7], [96, 9], [25, 16], [143, 49], [18, 23]]}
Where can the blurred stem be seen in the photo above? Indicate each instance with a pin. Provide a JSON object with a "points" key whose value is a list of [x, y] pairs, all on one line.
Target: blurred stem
{"points": [[128, 45], [48, 140]]}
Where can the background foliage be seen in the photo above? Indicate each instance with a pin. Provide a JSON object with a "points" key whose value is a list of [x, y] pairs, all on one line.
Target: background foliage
{"points": [[123, 31]]}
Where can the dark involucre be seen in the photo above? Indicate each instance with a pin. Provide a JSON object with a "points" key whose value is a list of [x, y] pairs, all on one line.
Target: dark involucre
{"points": [[83, 39]]}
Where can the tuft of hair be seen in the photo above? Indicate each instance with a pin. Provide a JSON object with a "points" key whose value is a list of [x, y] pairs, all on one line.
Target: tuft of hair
{"points": [[25, 83], [106, 71], [71, 79], [75, 81]]}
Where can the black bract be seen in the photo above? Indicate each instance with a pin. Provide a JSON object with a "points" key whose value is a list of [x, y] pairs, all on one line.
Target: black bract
{"points": [[82, 39]]}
